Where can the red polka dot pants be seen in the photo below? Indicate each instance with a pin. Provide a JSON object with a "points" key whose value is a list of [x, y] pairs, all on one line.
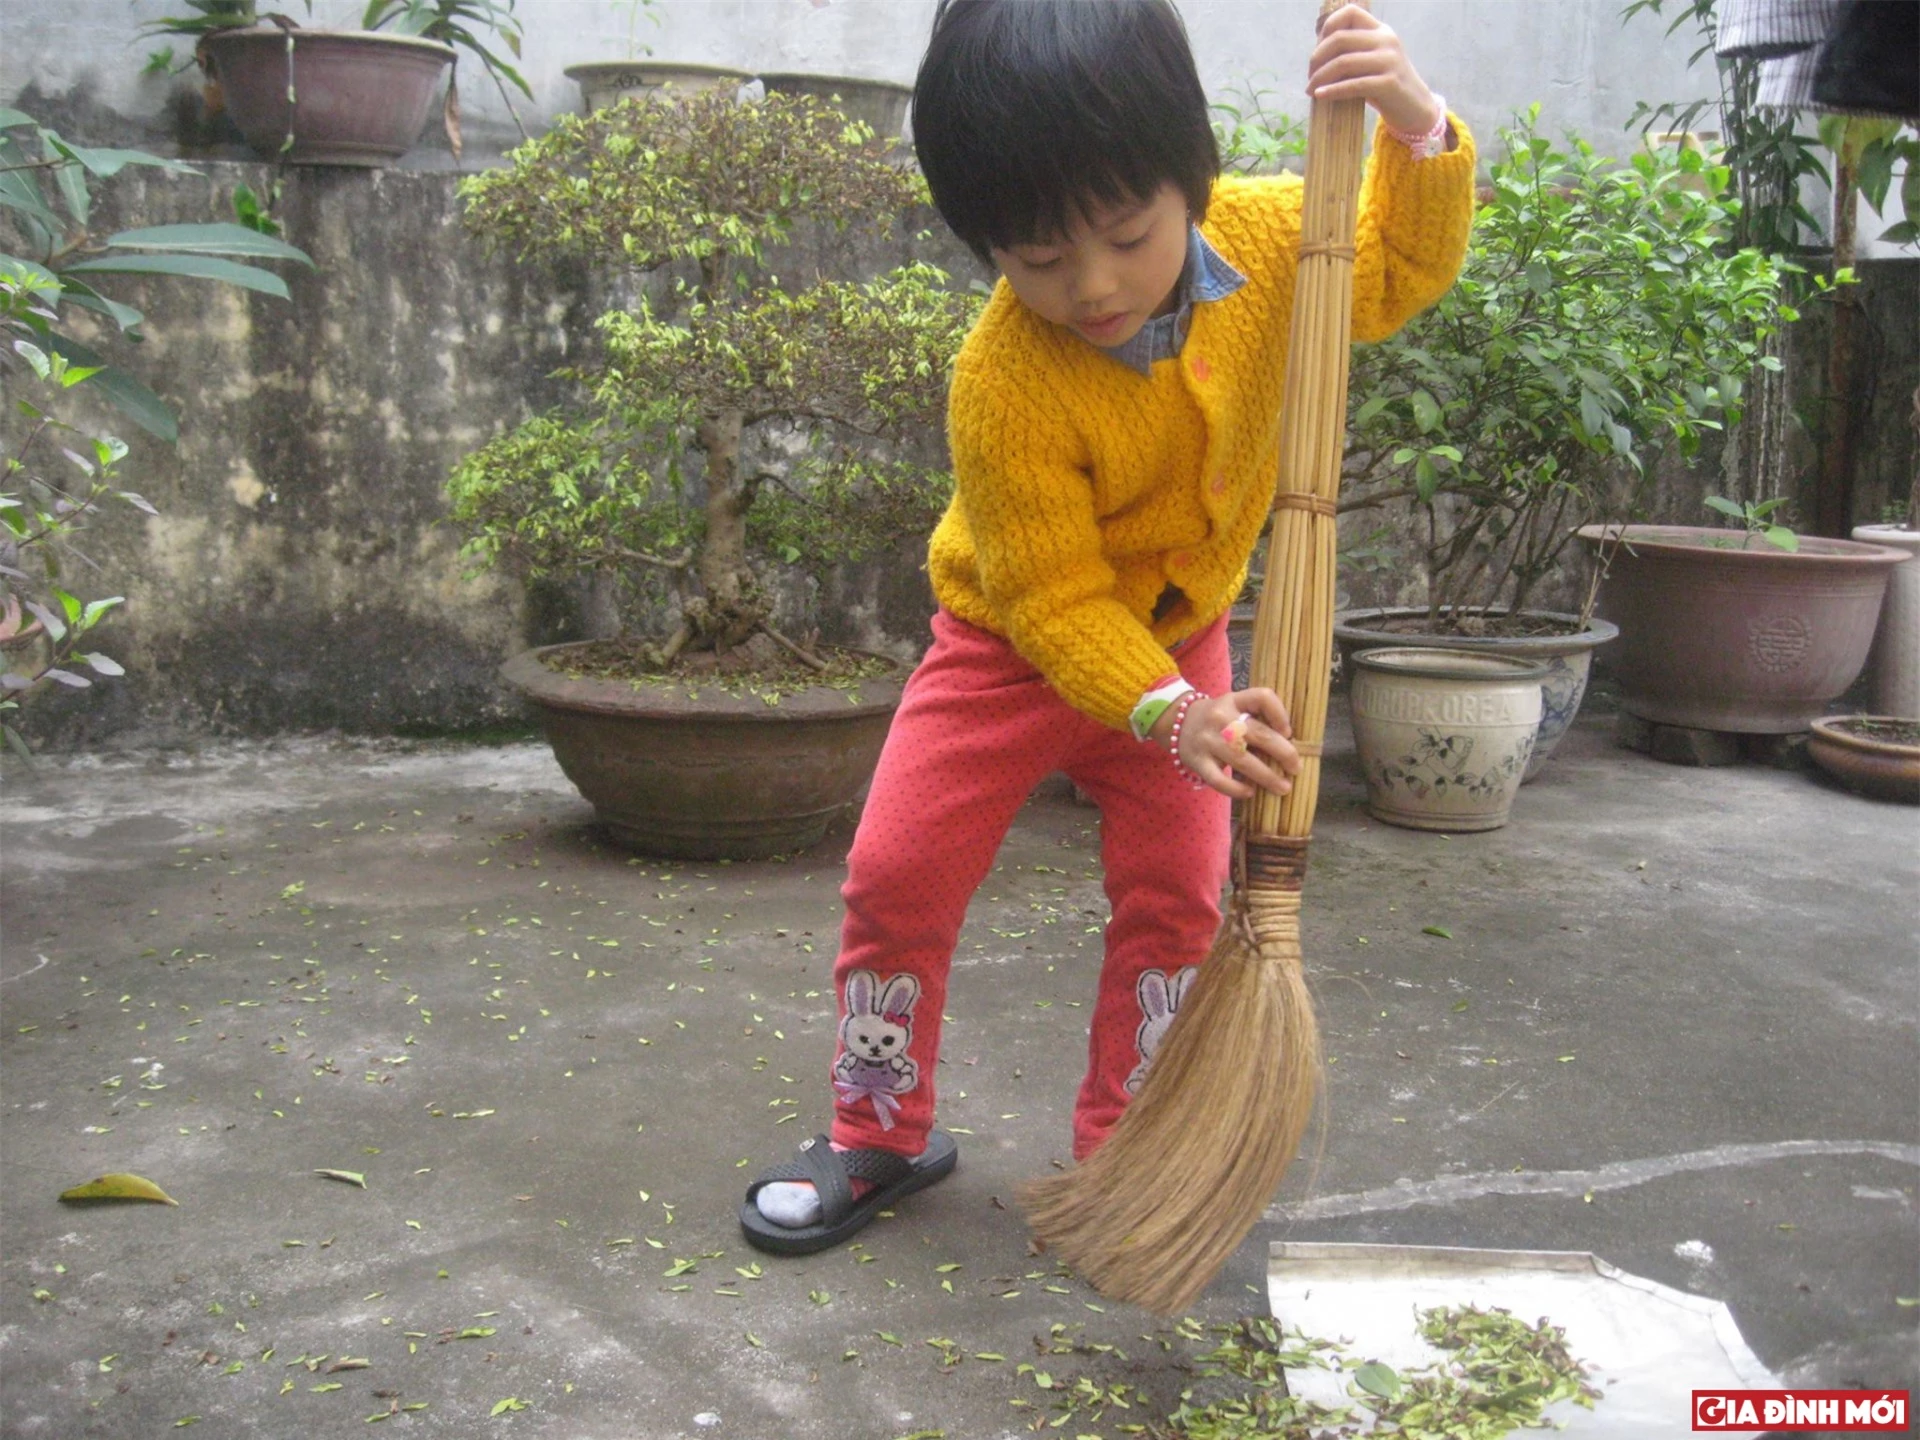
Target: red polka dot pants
{"points": [[977, 729]]}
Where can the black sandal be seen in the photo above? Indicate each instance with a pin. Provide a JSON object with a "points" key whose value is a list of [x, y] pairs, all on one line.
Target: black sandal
{"points": [[832, 1173]]}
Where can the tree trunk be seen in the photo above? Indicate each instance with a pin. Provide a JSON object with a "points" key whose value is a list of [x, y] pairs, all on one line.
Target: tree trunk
{"points": [[1833, 493], [723, 555]]}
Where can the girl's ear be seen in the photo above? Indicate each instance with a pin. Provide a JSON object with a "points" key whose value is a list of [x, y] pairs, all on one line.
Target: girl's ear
{"points": [[898, 997], [1155, 1000]]}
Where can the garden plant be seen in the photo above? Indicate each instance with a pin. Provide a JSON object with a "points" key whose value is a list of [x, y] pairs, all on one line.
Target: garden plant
{"points": [[59, 466], [1600, 317], [724, 424]]}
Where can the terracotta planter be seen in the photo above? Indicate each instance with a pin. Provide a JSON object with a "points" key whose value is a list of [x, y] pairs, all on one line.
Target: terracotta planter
{"points": [[1885, 769], [1568, 658], [1444, 736], [713, 777], [881, 104], [359, 97], [607, 82], [1753, 639], [1895, 659]]}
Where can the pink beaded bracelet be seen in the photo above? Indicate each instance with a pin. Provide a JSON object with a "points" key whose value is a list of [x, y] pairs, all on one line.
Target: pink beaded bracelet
{"points": [[1180, 707], [1430, 143]]}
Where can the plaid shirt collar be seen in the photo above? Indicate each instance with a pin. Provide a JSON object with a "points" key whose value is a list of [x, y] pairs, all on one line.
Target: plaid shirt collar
{"points": [[1206, 276]]}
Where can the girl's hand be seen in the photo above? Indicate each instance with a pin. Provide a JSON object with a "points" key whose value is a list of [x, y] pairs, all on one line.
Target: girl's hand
{"points": [[1228, 740], [1359, 57]]}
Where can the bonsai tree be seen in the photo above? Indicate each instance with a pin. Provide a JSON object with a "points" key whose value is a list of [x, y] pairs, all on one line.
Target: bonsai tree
{"points": [[735, 423], [1599, 317]]}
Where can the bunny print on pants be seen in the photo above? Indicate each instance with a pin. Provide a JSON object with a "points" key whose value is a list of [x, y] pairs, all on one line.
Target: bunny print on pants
{"points": [[1160, 997], [873, 1064]]}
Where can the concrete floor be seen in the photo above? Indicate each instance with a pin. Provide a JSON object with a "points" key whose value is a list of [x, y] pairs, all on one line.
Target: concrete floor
{"points": [[1675, 1024]]}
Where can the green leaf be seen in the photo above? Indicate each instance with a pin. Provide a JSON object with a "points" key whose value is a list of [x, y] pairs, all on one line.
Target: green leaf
{"points": [[512, 1402], [128, 395], [1378, 1379], [216, 239], [351, 1177], [1782, 537], [194, 267], [1725, 507], [1440, 930], [1426, 410]]}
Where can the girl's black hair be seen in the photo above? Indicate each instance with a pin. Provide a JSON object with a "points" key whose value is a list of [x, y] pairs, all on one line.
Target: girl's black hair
{"points": [[1028, 113]]}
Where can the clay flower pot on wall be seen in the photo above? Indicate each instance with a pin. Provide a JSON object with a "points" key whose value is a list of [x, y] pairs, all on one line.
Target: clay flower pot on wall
{"points": [[1722, 631], [358, 97], [607, 82], [881, 105]]}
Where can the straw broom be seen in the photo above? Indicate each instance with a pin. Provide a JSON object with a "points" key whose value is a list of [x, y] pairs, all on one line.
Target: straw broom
{"points": [[1152, 1215]]}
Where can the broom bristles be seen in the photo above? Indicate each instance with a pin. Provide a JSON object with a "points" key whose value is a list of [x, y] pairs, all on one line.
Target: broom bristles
{"points": [[1152, 1215]]}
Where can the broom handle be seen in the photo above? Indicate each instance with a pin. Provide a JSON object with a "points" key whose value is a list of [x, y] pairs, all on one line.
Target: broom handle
{"points": [[1293, 622]]}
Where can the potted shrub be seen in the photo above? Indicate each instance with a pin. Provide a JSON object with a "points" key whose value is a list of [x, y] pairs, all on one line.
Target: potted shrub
{"points": [[1751, 630], [1597, 319], [730, 429], [345, 97]]}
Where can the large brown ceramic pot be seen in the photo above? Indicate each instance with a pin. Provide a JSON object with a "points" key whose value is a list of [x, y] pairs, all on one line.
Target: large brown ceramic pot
{"points": [[359, 97], [1722, 632], [708, 775]]}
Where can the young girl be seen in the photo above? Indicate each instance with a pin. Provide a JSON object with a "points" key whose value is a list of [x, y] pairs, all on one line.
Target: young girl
{"points": [[1112, 425]]}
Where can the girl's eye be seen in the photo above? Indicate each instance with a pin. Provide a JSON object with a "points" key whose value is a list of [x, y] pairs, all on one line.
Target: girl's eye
{"points": [[1135, 243], [1046, 264]]}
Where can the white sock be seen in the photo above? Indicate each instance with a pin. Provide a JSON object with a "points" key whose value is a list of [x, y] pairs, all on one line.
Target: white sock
{"points": [[795, 1203], [790, 1203]]}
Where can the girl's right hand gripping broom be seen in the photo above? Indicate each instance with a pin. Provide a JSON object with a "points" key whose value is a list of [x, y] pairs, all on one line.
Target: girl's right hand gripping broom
{"points": [[1152, 1215]]}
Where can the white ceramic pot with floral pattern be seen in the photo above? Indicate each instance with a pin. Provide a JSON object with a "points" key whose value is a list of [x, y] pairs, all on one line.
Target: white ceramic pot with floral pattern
{"points": [[1444, 736]]}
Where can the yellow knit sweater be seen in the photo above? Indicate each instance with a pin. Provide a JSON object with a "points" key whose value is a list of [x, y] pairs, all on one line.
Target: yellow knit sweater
{"points": [[1083, 489]]}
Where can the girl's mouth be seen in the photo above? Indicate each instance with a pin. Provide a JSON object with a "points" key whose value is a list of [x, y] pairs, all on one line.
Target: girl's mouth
{"points": [[1102, 327]]}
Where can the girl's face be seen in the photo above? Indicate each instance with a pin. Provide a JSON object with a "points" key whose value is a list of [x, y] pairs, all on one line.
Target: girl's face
{"points": [[1111, 272]]}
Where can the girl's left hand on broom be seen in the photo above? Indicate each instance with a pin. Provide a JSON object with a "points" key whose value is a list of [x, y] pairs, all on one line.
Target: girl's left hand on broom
{"points": [[1358, 57], [1236, 742]]}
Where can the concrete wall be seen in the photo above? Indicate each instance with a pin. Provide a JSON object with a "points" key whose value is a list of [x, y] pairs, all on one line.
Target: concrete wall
{"points": [[83, 58]]}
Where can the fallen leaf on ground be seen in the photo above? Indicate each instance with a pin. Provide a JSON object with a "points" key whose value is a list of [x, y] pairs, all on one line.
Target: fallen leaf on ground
{"points": [[119, 1187], [351, 1177]]}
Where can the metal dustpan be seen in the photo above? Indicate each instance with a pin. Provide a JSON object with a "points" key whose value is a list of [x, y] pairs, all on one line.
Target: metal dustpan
{"points": [[1646, 1346]]}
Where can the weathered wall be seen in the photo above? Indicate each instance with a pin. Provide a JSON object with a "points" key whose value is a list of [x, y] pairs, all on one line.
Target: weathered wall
{"points": [[299, 574]]}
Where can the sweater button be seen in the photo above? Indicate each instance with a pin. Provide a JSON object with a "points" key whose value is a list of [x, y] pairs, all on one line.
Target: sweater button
{"points": [[1220, 483], [1182, 559], [1201, 370]]}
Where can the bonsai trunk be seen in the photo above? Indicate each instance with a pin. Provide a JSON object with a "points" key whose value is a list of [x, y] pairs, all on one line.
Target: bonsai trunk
{"points": [[729, 609]]}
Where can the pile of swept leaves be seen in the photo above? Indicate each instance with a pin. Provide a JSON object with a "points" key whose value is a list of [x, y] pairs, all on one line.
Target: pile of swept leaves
{"points": [[1500, 1374]]}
